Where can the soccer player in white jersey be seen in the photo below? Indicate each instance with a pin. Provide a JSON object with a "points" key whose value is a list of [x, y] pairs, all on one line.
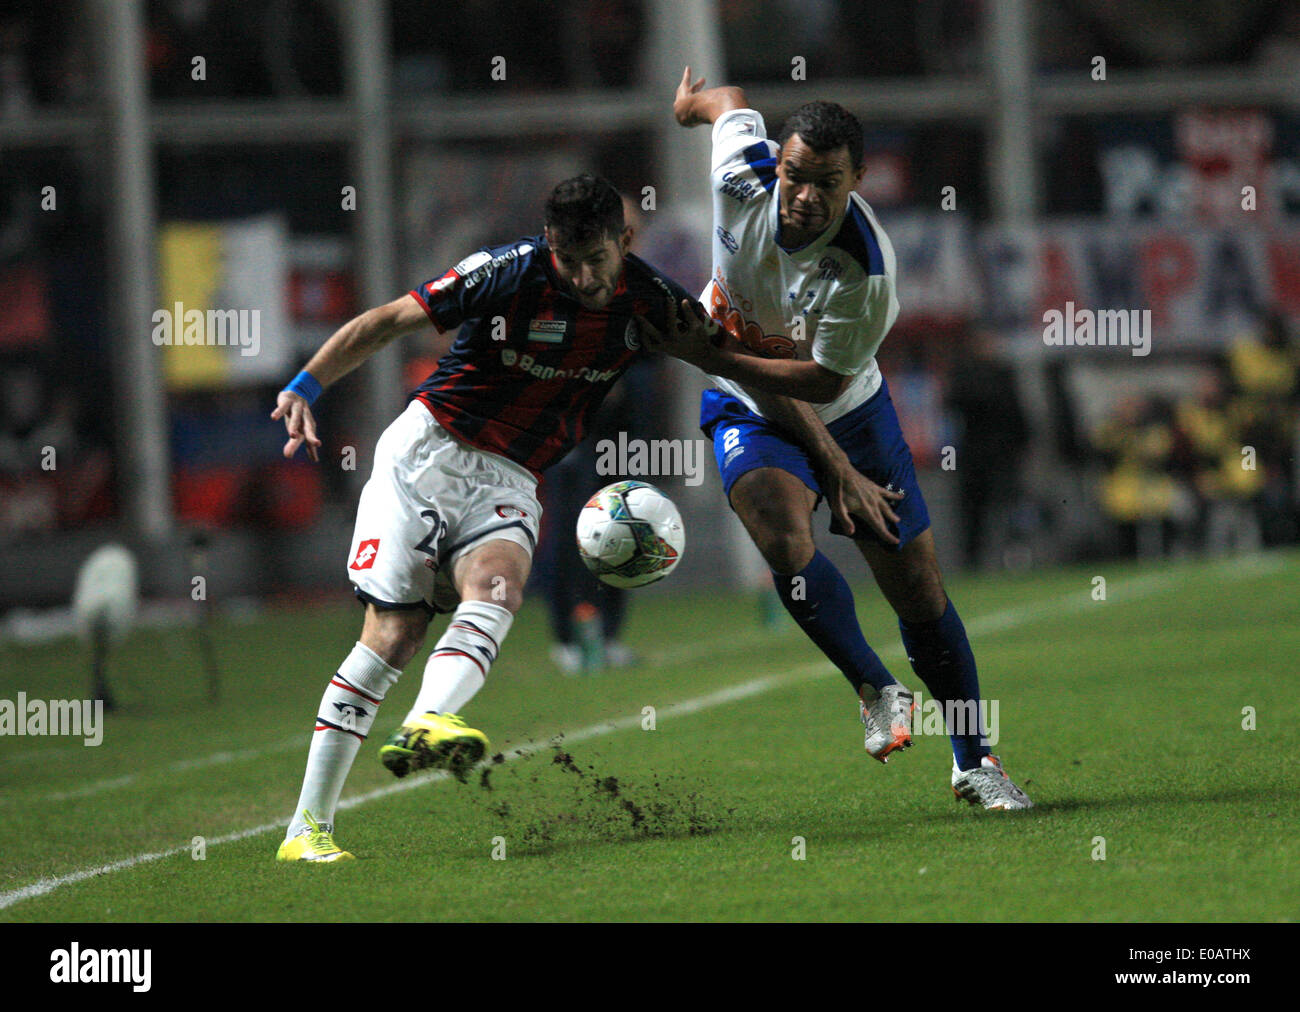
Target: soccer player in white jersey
{"points": [[804, 285]]}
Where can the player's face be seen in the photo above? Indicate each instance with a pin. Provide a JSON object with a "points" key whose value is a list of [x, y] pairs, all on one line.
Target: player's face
{"points": [[814, 187], [590, 270]]}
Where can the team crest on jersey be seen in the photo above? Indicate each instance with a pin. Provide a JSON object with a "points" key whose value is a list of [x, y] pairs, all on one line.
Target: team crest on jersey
{"points": [[366, 552], [509, 356], [830, 269], [632, 336], [506, 512], [547, 331]]}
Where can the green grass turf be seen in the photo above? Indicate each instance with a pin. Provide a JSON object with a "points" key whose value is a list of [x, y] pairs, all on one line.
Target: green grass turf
{"points": [[1123, 718]]}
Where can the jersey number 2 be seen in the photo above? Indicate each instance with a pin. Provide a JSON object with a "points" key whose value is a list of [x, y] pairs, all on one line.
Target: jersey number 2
{"points": [[429, 544]]}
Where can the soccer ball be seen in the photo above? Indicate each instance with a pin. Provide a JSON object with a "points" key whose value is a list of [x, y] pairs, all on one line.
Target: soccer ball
{"points": [[630, 534]]}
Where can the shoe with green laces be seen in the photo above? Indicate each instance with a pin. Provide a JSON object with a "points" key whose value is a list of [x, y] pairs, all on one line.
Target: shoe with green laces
{"points": [[315, 843]]}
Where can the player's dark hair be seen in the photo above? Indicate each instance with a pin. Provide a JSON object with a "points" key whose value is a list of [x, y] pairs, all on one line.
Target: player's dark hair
{"points": [[825, 126], [584, 209]]}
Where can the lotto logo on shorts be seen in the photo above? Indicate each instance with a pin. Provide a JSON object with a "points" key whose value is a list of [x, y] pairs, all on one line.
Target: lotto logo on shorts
{"points": [[511, 511], [366, 552]]}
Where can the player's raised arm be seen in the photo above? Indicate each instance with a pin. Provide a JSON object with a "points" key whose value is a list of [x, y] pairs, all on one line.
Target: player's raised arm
{"points": [[693, 105], [350, 345]]}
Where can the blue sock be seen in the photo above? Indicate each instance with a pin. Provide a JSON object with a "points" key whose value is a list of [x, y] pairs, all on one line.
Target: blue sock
{"points": [[941, 657], [819, 599]]}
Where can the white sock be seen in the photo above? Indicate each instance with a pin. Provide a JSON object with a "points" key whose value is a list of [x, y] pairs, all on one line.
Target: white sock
{"points": [[459, 664], [343, 720]]}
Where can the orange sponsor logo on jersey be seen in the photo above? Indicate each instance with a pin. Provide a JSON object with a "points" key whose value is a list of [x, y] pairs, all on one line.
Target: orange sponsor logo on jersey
{"points": [[747, 332]]}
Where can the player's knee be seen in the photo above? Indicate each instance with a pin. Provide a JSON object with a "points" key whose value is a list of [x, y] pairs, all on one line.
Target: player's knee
{"points": [[785, 551], [494, 588], [923, 598], [777, 532]]}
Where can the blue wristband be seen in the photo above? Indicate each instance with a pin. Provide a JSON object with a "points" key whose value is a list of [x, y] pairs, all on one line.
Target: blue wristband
{"points": [[305, 386]]}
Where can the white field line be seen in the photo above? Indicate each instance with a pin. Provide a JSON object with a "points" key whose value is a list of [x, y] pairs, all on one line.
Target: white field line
{"points": [[678, 655], [1237, 567], [719, 698], [983, 625], [126, 779]]}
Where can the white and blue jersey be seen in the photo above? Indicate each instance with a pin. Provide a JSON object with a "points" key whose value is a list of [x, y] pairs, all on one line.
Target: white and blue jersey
{"points": [[832, 301]]}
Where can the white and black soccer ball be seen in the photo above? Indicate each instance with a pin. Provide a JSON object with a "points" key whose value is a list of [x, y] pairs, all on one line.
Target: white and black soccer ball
{"points": [[630, 534]]}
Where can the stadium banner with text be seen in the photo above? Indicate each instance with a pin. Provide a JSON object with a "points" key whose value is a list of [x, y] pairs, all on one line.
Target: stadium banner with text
{"points": [[222, 320], [1203, 286], [1200, 164]]}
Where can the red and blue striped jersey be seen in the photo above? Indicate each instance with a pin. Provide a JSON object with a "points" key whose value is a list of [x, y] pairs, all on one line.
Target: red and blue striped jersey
{"points": [[530, 365]]}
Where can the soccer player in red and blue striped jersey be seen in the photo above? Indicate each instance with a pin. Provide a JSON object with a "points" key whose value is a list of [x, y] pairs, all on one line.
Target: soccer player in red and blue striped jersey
{"points": [[448, 521], [544, 344]]}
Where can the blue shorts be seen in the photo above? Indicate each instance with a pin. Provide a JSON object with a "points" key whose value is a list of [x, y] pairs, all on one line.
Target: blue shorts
{"points": [[869, 434]]}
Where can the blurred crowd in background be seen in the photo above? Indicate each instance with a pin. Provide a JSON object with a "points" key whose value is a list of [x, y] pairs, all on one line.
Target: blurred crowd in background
{"points": [[1202, 460], [1213, 468], [292, 48]]}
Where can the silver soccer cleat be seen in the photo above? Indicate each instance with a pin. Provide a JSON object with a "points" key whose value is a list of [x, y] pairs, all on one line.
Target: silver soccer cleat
{"points": [[989, 785], [888, 720]]}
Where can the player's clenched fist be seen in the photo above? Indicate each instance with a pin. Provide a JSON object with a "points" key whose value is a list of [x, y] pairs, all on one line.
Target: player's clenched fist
{"points": [[299, 422]]}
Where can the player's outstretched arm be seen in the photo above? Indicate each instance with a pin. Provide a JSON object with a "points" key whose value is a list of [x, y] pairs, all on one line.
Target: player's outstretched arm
{"points": [[694, 106], [350, 345], [802, 380], [695, 338], [782, 388]]}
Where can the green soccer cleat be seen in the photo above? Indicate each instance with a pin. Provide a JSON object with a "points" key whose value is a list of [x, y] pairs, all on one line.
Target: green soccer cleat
{"points": [[434, 741], [315, 843]]}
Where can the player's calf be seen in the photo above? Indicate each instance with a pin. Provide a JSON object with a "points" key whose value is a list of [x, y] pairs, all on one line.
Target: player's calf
{"points": [[395, 634], [343, 720]]}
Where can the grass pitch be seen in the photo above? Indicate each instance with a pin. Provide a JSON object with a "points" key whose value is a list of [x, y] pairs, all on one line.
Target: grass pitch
{"points": [[751, 798]]}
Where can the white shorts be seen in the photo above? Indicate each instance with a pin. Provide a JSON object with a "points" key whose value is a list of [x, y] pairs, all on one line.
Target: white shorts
{"points": [[430, 499]]}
